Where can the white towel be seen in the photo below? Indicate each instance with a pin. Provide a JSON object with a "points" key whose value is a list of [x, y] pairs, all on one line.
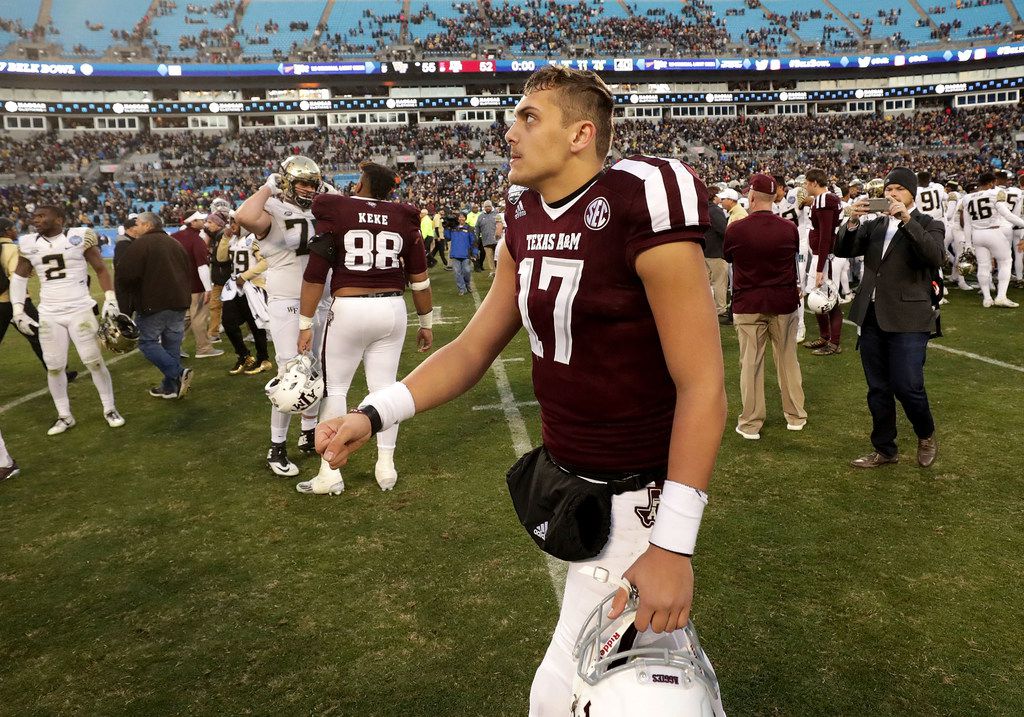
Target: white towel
{"points": [[257, 299], [230, 290]]}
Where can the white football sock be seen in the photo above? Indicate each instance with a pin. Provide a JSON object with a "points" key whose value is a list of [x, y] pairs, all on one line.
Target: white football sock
{"points": [[279, 425], [104, 384], [58, 384], [5, 457]]}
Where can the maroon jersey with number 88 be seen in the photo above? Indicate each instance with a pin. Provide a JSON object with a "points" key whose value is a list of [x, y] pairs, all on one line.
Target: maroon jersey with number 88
{"points": [[606, 397], [376, 243]]}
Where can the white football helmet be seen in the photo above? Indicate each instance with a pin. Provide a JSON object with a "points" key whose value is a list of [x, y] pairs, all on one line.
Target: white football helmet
{"points": [[661, 679], [824, 298], [298, 387]]}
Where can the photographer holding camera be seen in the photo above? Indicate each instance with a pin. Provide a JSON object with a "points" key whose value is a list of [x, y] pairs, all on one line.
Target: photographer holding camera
{"points": [[897, 312]]}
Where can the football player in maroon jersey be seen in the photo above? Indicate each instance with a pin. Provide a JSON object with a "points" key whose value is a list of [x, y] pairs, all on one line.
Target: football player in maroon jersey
{"points": [[825, 216], [372, 248], [604, 270]]}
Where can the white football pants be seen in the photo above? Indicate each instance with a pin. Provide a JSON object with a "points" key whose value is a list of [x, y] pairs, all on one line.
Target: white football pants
{"points": [[284, 330], [551, 693], [370, 330], [56, 333], [991, 244]]}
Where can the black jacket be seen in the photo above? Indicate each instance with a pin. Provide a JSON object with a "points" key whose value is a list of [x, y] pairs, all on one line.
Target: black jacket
{"points": [[715, 234], [155, 273], [901, 281]]}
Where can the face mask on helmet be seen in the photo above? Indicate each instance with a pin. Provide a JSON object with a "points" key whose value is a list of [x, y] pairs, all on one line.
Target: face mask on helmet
{"points": [[298, 388], [824, 298], [300, 180], [668, 675], [967, 263], [119, 334]]}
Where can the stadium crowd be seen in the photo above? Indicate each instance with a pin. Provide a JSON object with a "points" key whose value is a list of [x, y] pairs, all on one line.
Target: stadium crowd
{"points": [[172, 173]]}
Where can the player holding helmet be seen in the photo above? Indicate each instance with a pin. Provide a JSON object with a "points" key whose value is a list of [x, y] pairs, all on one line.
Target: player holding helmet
{"points": [[279, 215], [604, 270], [61, 259]]}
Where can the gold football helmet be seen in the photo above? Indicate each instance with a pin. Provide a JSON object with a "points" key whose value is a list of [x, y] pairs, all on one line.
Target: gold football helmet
{"points": [[295, 172], [876, 188], [967, 263]]}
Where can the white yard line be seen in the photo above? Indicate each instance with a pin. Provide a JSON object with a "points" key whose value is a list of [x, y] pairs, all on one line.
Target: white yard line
{"points": [[44, 391], [521, 444], [501, 406], [965, 354]]}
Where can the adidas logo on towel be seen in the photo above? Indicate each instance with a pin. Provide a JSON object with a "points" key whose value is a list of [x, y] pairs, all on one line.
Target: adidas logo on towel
{"points": [[541, 531]]}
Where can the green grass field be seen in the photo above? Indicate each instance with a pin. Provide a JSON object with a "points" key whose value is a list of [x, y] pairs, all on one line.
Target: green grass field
{"points": [[160, 568]]}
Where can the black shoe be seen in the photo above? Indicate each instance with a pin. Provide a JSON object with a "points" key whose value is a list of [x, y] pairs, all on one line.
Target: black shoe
{"points": [[277, 460], [307, 441], [161, 392], [72, 375], [9, 471]]}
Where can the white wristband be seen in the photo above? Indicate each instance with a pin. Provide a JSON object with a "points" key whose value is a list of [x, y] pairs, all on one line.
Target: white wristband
{"points": [[426, 320], [305, 322], [420, 285], [678, 521], [394, 404], [109, 296]]}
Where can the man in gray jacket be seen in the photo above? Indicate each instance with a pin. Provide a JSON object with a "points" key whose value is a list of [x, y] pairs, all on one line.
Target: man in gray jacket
{"points": [[897, 312]]}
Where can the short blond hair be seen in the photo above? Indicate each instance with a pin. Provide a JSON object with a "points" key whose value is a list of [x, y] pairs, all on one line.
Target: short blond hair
{"points": [[584, 97]]}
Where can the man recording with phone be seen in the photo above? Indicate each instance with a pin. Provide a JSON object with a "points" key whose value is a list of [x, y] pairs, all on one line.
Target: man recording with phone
{"points": [[894, 308]]}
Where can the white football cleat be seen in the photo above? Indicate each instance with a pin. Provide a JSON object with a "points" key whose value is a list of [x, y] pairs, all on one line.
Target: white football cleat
{"points": [[386, 475], [114, 419], [327, 482], [63, 423], [986, 302], [1005, 303]]}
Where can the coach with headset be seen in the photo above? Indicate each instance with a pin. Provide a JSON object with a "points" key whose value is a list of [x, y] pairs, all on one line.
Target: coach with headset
{"points": [[897, 312]]}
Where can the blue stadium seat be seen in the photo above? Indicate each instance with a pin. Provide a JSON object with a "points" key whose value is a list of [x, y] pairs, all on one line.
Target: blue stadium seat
{"points": [[283, 12], [346, 15], [25, 11], [970, 17], [70, 19]]}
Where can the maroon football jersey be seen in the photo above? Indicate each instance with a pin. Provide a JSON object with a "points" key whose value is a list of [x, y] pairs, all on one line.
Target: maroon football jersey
{"points": [[606, 396], [377, 244], [824, 221]]}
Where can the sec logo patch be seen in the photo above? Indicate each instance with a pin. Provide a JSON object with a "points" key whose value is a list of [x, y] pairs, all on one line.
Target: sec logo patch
{"points": [[597, 214]]}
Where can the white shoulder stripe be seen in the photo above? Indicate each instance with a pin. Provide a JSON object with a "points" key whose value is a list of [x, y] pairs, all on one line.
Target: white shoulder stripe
{"points": [[687, 192], [654, 190]]}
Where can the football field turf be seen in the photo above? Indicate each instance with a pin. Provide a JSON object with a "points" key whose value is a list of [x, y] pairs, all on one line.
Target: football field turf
{"points": [[160, 568]]}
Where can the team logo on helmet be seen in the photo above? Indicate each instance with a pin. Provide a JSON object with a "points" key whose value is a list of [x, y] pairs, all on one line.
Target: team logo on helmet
{"points": [[597, 214], [297, 169]]}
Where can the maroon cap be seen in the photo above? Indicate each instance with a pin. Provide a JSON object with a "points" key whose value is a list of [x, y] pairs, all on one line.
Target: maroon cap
{"points": [[763, 183]]}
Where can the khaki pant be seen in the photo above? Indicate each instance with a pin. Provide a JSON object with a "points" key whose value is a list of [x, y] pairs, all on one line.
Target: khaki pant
{"points": [[489, 258], [216, 310], [198, 319], [718, 275], [754, 331]]}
